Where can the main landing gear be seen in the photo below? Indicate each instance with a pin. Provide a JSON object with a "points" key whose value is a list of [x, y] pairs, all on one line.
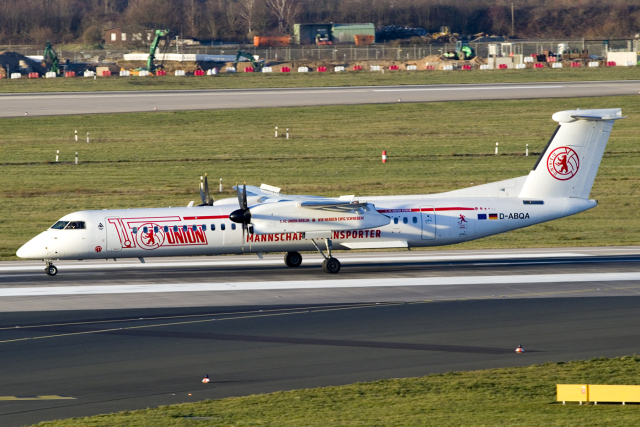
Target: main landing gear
{"points": [[293, 259], [51, 269], [330, 264]]}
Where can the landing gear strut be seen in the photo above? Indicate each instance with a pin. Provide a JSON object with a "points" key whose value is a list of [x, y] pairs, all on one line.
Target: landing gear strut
{"points": [[330, 264], [51, 269], [293, 259]]}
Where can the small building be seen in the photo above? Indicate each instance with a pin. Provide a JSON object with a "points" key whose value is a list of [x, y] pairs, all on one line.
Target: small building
{"points": [[330, 33], [122, 36]]}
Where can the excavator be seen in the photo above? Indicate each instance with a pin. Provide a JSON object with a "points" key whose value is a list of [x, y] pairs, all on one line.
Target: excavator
{"points": [[51, 57], [255, 63], [463, 51], [151, 67]]}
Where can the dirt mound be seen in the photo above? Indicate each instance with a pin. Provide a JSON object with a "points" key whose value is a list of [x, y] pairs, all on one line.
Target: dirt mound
{"points": [[13, 62]]}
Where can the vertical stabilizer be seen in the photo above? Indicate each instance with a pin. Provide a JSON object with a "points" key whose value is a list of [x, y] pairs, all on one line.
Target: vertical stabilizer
{"points": [[568, 165]]}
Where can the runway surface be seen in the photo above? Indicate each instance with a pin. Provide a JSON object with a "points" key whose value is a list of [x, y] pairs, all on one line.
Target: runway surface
{"points": [[104, 336], [50, 104]]}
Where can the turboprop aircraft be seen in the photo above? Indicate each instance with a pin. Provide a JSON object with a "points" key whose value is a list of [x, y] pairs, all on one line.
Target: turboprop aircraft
{"points": [[262, 219]]}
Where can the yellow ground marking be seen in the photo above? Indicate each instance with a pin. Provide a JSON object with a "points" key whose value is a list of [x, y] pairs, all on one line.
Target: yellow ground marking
{"points": [[46, 397]]}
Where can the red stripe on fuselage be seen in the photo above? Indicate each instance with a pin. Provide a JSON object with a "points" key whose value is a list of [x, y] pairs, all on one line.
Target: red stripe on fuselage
{"points": [[190, 218], [424, 210]]}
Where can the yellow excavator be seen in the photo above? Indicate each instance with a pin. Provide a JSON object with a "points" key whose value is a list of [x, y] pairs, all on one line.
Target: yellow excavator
{"points": [[445, 36]]}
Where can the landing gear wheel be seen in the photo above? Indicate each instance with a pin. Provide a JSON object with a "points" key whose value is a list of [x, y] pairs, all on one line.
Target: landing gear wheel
{"points": [[293, 259], [331, 265], [51, 270]]}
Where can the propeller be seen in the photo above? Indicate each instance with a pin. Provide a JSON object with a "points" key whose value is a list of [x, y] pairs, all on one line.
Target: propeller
{"points": [[242, 215], [206, 198]]}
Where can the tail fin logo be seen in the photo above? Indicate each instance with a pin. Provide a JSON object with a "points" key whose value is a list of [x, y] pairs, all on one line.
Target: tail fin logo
{"points": [[563, 163]]}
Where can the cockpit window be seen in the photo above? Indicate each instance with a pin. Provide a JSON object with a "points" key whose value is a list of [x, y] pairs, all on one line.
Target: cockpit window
{"points": [[60, 225], [75, 225]]}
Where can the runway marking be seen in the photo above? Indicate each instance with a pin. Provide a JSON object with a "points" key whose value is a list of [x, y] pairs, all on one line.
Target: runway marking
{"points": [[306, 261], [46, 397], [38, 291], [468, 89]]}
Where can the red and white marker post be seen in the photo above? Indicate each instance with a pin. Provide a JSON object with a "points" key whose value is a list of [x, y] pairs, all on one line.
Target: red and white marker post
{"points": [[384, 157]]}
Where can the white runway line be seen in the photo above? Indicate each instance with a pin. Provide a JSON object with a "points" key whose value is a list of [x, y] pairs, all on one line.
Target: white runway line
{"points": [[317, 284], [468, 89], [254, 262]]}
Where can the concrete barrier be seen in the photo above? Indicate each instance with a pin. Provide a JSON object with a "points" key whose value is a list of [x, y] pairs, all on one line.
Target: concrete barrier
{"points": [[50, 75], [447, 67], [303, 69], [338, 68], [484, 66], [267, 70], [179, 73], [125, 73], [89, 74], [143, 73], [212, 72], [375, 68], [594, 64], [412, 67], [630, 63], [16, 75], [528, 59], [230, 70], [556, 65], [521, 66]]}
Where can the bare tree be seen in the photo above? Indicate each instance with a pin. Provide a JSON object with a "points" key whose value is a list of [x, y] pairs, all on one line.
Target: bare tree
{"points": [[247, 12], [285, 12]]}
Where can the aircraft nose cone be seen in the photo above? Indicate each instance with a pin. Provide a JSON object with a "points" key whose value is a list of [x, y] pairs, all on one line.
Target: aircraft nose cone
{"points": [[240, 216], [33, 249]]}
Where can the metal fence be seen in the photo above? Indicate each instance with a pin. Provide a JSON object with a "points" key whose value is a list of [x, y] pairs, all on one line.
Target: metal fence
{"points": [[344, 53]]}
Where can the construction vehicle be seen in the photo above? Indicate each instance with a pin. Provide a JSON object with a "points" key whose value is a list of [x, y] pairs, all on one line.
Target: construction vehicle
{"points": [[445, 36], [256, 63], [151, 67], [464, 51], [51, 57], [323, 37]]}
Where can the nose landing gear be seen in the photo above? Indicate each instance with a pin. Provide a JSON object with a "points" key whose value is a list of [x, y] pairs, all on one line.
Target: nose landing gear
{"points": [[330, 264], [51, 269]]}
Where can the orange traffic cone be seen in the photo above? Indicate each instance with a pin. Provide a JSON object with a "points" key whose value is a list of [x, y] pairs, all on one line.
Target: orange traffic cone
{"points": [[206, 379]]}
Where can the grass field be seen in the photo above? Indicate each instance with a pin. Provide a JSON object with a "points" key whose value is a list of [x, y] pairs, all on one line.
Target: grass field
{"points": [[156, 159], [363, 78], [496, 397]]}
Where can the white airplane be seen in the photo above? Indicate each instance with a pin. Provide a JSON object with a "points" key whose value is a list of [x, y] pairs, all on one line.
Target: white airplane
{"points": [[263, 220]]}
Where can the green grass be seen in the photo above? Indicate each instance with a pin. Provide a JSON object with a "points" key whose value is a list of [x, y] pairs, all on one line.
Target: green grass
{"points": [[496, 397], [156, 159], [294, 79]]}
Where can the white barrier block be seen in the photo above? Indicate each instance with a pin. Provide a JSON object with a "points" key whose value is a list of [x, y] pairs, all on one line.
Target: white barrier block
{"points": [[303, 69], [556, 65], [630, 63], [338, 68], [50, 75], [594, 64], [447, 67], [528, 59], [375, 68], [230, 70], [484, 66], [143, 73], [179, 73], [125, 73], [412, 67], [267, 70], [16, 75], [520, 66], [212, 72], [89, 73]]}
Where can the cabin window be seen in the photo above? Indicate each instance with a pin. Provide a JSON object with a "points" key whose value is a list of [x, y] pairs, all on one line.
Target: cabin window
{"points": [[405, 220], [222, 227], [145, 229], [166, 229], [75, 225], [213, 227], [184, 228], [155, 228], [415, 219], [135, 230], [175, 228], [60, 225], [204, 227], [395, 220], [194, 227], [233, 226]]}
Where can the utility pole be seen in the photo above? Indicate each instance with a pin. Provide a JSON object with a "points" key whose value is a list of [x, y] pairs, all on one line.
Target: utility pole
{"points": [[512, 22]]}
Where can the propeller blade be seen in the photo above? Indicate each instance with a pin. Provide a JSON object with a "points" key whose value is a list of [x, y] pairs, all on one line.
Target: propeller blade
{"points": [[208, 198], [244, 196], [239, 196], [202, 195]]}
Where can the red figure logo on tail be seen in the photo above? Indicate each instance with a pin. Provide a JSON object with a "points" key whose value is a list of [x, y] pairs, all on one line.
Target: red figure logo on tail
{"points": [[563, 163]]}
